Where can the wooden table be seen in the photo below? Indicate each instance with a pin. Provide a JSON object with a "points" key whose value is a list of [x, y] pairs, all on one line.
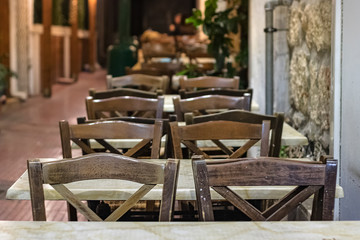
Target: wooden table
{"points": [[121, 190], [10, 230]]}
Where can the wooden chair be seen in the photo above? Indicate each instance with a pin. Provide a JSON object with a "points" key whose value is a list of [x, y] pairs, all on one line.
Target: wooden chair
{"points": [[191, 84], [217, 131], [308, 177], [205, 104], [148, 71], [124, 106], [216, 91], [159, 49], [80, 134], [165, 129], [139, 81], [276, 124], [120, 92], [113, 166], [148, 131], [165, 68]]}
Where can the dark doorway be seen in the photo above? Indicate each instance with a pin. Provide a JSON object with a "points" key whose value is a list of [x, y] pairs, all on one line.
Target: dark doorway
{"points": [[145, 14], [157, 14]]}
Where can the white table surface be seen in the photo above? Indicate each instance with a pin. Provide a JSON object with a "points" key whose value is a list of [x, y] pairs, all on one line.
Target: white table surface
{"points": [[10, 230], [121, 190]]}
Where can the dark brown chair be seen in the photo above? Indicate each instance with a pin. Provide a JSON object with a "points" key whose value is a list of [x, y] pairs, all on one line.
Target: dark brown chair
{"points": [[95, 136], [276, 124], [166, 68], [192, 84], [165, 122], [149, 71], [217, 131], [209, 104], [216, 91], [159, 49], [121, 92], [308, 177], [113, 166], [124, 106], [139, 81], [102, 131]]}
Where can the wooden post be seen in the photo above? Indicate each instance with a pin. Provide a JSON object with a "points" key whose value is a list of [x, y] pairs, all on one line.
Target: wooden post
{"points": [[5, 32], [46, 63], [5, 40], [92, 34], [75, 65]]}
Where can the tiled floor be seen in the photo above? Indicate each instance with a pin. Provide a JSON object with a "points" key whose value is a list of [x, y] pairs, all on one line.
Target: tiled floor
{"points": [[30, 130]]}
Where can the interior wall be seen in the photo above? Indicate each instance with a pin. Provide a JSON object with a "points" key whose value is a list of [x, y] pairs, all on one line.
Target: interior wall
{"points": [[257, 51], [257, 56], [350, 112]]}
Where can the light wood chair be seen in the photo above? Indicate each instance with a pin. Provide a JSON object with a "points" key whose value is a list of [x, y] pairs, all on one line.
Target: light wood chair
{"points": [[139, 81], [192, 84], [276, 124], [80, 134], [121, 92], [124, 106], [113, 166], [217, 131], [308, 178], [209, 104]]}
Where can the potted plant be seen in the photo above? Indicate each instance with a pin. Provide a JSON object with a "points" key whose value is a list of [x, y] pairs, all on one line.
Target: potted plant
{"points": [[242, 58], [5, 72], [190, 71], [217, 24]]}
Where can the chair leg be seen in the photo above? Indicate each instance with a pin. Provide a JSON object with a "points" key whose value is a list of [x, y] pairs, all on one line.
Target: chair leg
{"points": [[72, 213]]}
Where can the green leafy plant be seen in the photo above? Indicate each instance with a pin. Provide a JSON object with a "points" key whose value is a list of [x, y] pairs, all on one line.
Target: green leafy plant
{"points": [[242, 58], [284, 152], [217, 25], [191, 71], [5, 72]]}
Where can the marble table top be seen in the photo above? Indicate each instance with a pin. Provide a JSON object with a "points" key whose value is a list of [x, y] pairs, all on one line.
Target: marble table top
{"points": [[121, 190], [10, 230]]}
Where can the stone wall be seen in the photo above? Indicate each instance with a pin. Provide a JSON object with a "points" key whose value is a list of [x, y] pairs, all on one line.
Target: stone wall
{"points": [[309, 39]]}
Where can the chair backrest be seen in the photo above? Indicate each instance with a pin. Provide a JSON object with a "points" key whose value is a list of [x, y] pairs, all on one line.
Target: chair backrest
{"points": [[308, 177], [124, 106], [149, 71], [149, 136], [217, 131], [113, 166], [141, 81], [156, 49], [191, 84], [216, 91], [165, 129], [120, 92], [209, 102], [166, 68], [276, 124]]}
